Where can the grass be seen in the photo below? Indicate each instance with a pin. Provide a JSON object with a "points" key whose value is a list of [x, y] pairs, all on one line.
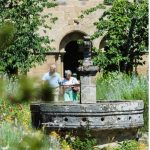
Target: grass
{"points": [[17, 138], [119, 86], [9, 134], [128, 145]]}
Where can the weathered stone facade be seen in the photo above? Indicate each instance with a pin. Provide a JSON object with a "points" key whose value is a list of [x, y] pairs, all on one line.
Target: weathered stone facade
{"points": [[69, 28]]}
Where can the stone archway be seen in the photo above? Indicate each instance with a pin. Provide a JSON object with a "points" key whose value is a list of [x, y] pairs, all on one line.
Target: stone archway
{"points": [[73, 51]]}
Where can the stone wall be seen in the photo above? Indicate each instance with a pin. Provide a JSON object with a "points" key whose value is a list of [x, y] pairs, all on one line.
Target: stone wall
{"points": [[39, 70], [68, 20], [145, 68]]}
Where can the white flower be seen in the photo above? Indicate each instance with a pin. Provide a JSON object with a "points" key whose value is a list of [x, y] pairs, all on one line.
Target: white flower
{"points": [[72, 138], [5, 148]]}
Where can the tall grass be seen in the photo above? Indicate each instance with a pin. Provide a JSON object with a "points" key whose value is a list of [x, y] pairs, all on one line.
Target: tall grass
{"points": [[119, 86], [9, 135], [25, 89], [14, 138]]}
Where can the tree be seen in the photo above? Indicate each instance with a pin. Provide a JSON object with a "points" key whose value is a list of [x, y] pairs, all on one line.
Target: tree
{"points": [[7, 31], [27, 46], [125, 27]]}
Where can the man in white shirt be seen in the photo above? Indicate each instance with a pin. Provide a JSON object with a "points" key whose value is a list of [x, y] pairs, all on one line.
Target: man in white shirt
{"points": [[54, 80]]}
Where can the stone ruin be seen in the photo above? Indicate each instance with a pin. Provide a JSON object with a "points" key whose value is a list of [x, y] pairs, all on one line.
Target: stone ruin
{"points": [[108, 120]]}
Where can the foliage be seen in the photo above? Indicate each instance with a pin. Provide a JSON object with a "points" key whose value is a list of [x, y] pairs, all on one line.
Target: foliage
{"points": [[9, 135], [17, 114], [46, 93], [33, 141], [88, 11], [119, 86], [108, 2], [15, 129], [128, 145], [14, 138], [7, 31], [27, 46], [85, 143], [65, 145], [24, 89], [127, 36], [125, 29]]}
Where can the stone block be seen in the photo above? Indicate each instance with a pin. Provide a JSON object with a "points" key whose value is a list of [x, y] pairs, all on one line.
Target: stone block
{"points": [[70, 22], [87, 80], [88, 94]]}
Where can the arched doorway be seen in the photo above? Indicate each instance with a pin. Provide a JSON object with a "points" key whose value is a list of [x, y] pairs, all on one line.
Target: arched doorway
{"points": [[73, 51], [72, 56]]}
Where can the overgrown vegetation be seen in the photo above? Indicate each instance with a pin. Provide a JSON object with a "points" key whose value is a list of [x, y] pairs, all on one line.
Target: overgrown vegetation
{"points": [[17, 138], [128, 145], [16, 131], [16, 114], [85, 143], [15, 123], [119, 86]]}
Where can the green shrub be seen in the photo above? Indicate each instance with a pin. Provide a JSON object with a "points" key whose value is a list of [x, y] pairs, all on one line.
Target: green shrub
{"points": [[128, 145], [33, 141], [108, 2], [46, 93], [85, 143]]}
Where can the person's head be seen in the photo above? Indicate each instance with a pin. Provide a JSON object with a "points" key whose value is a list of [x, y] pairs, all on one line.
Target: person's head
{"points": [[68, 74], [52, 68]]}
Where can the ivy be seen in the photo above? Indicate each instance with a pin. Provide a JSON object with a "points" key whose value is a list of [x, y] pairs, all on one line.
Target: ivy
{"points": [[26, 47]]}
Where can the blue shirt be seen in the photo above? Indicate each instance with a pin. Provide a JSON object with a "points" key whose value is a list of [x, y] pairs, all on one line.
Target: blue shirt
{"points": [[53, 79]]}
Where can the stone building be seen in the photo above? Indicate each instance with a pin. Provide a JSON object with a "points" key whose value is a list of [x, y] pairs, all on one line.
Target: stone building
{"points": [[67, 30]]}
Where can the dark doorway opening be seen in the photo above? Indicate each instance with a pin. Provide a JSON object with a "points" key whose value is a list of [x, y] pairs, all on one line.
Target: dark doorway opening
{"points": [[74, 53]]}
